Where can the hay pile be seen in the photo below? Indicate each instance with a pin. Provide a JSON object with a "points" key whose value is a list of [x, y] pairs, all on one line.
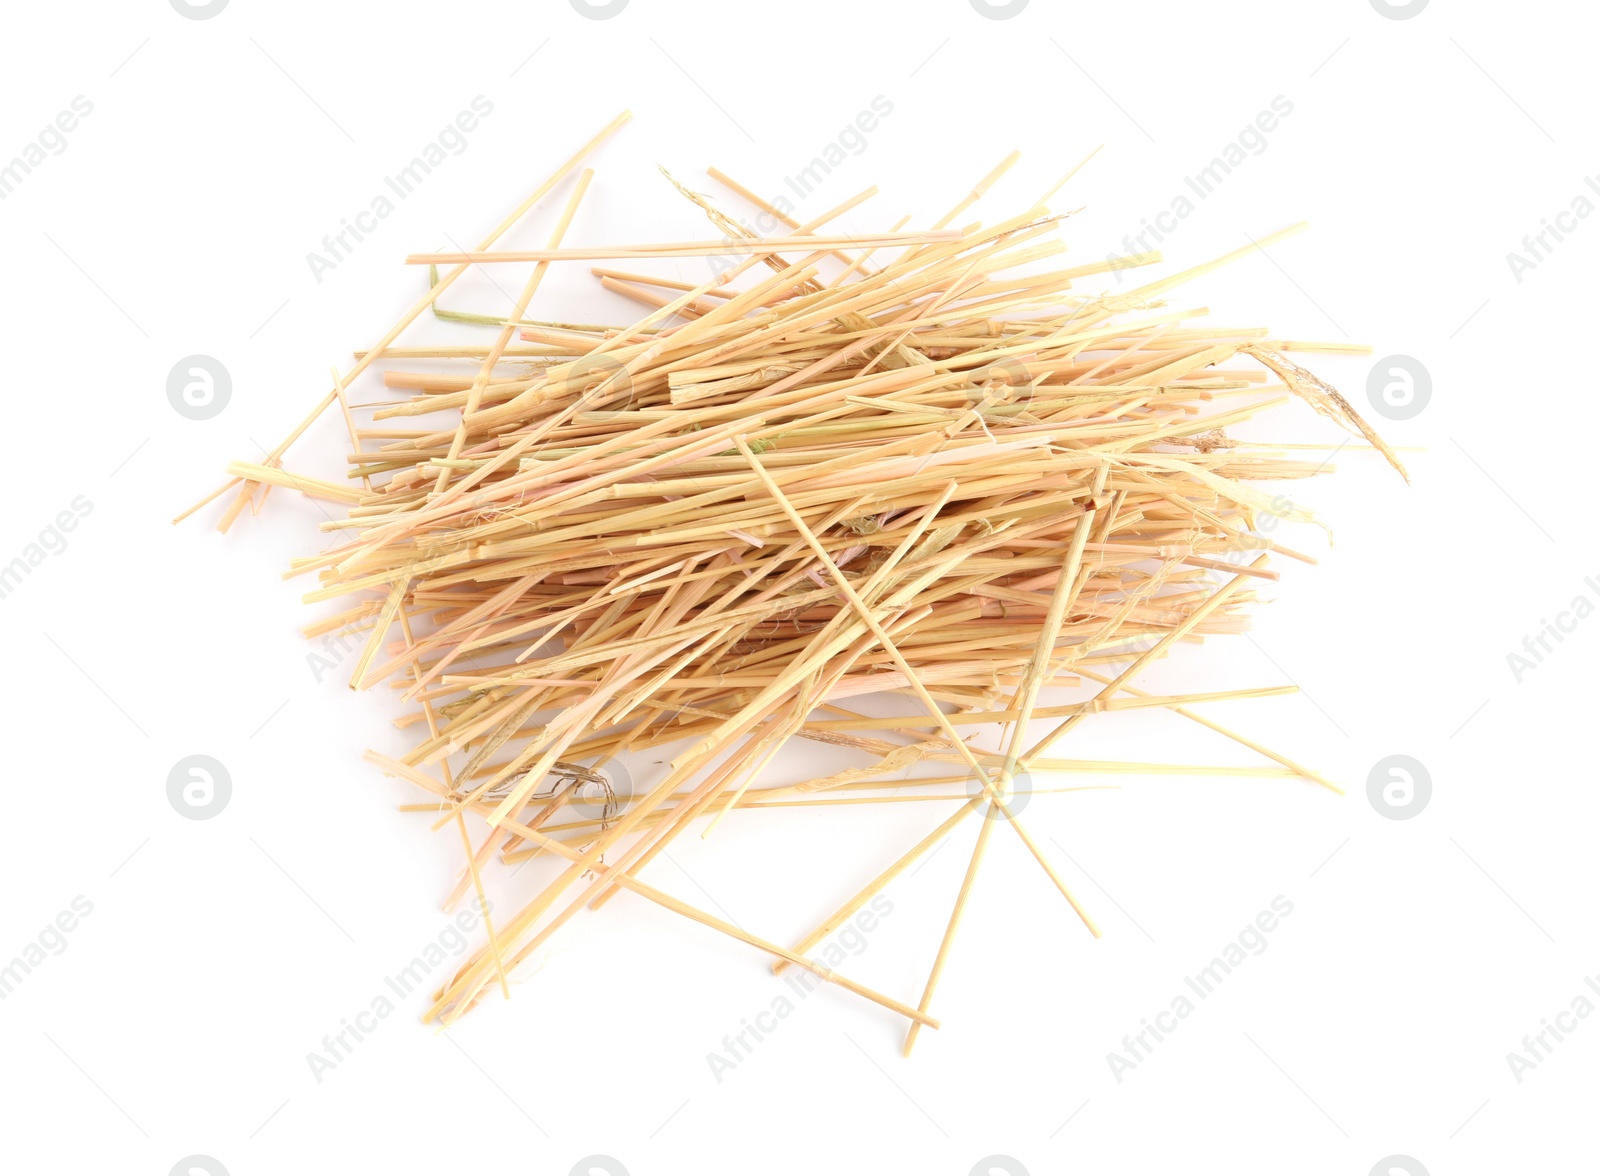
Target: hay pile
{"points": [[922, 463]]}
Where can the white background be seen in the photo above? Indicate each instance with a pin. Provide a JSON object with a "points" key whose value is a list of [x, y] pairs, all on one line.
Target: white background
{"points": [[1377, 1022]]}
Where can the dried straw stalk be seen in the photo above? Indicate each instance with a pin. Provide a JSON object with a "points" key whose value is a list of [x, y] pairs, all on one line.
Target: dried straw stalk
{"points": [[909, 462]]}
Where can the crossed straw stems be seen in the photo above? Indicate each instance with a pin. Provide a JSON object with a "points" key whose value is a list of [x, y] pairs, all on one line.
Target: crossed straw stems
{"points": [[880, 610]]}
